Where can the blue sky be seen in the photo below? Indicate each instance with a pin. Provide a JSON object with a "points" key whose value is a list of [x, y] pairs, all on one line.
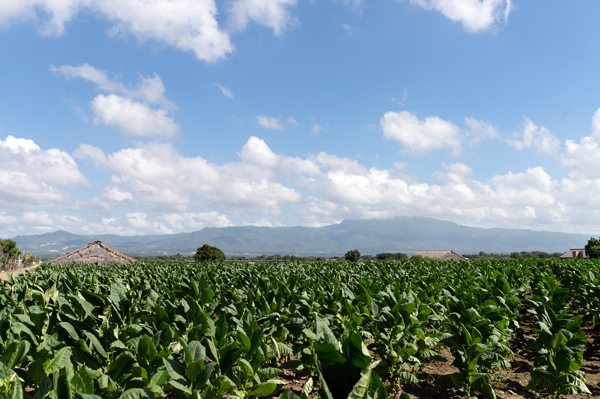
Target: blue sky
{"points": [[166, 116]]}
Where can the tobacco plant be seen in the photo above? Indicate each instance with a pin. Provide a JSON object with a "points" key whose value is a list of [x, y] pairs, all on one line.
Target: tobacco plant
{"points": [[559, 356]]}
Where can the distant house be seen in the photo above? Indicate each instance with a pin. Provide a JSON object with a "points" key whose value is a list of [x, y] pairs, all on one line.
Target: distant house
{"points": [[96, 253], [575, 253], [441, 255]]}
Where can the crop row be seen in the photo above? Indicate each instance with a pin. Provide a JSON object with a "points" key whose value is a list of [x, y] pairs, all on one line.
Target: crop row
{"points": [[210, 330]]}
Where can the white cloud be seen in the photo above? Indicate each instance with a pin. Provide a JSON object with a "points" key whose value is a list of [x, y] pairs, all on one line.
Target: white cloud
{"points": [[155, 189], [131, 223], [536, 137], [291, 121], [455, 173], [158, 177], [91, 74], [474, 15], [226, 92], [28, 175], [150, 89], [270, 13], [583, 158], [480, 130], [189, 25], [123, 112], [115, 194], [257, 152], [269, 122], [418, 137], [131, 117], [86, 151]]}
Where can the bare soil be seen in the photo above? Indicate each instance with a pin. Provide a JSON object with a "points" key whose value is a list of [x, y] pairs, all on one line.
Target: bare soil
{"points": [[509, 383], [4, 275]]}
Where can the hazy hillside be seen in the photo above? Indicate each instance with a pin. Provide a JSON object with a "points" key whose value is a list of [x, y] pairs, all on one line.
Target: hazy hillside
{"points": [[402, 234]]}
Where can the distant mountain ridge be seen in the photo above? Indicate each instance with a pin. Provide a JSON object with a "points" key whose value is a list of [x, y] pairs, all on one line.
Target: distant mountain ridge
{"points": [[400, 234]]}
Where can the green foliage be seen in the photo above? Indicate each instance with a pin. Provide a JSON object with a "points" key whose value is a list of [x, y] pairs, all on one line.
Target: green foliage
{"points": [[391, 256], [559, 357], [592, 248], [28, 259], [210, 329], [8, 251], [209, 253], [352, 255]]}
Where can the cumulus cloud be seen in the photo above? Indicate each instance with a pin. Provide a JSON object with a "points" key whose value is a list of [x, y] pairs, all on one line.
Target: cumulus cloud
{"points": [[474, 15], [257, 152], [536, 137], [582, 158], [29, 175], [189, 25], [159, 177], [156, 189], [131, 117], [270, 13], [420, 136]]}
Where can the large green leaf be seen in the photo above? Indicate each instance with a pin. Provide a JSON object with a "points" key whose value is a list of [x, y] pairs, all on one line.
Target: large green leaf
{"points": [[61, 359], [63, 387], [15, 353], [266, 388], [360, 389], [324, 333]]}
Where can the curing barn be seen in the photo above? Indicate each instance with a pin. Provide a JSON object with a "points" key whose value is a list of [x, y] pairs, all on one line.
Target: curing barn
{"points": [[95, 253]]}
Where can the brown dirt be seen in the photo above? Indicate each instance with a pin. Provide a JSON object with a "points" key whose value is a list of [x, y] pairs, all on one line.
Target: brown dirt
{"points": [[294, 380], [508, 383], [4, 275]]}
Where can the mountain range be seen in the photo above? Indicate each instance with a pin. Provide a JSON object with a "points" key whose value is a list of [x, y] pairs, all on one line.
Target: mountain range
{"points": [[400, 234]]}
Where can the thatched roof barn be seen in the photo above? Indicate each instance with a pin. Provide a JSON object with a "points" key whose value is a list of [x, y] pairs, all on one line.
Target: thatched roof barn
{"points": [[96, 253], [441, 255]]}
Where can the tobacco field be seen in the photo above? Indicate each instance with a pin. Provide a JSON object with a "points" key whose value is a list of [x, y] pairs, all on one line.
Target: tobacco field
{"points": [[334, 330]]}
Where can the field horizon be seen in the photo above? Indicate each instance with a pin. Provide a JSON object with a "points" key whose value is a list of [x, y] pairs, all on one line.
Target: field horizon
{"points": [[400, 234]]}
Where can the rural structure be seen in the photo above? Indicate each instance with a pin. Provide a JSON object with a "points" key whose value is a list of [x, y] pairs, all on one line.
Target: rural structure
{"points": [[575, 253], [96, 253], [441, 255]]}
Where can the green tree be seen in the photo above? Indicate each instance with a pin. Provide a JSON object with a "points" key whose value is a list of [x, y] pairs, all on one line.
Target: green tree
{"points": [[391, 256], [9, 251], [28, 259], [592, 248], [208, 252], [352, 256]]}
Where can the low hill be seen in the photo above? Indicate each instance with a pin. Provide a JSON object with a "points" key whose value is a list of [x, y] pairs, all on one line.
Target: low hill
{"points": [[401, 234]]}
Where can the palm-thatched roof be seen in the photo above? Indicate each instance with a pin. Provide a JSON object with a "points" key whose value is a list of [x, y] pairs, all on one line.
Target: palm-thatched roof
{"points": [[96, 253], [441, 255]]}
